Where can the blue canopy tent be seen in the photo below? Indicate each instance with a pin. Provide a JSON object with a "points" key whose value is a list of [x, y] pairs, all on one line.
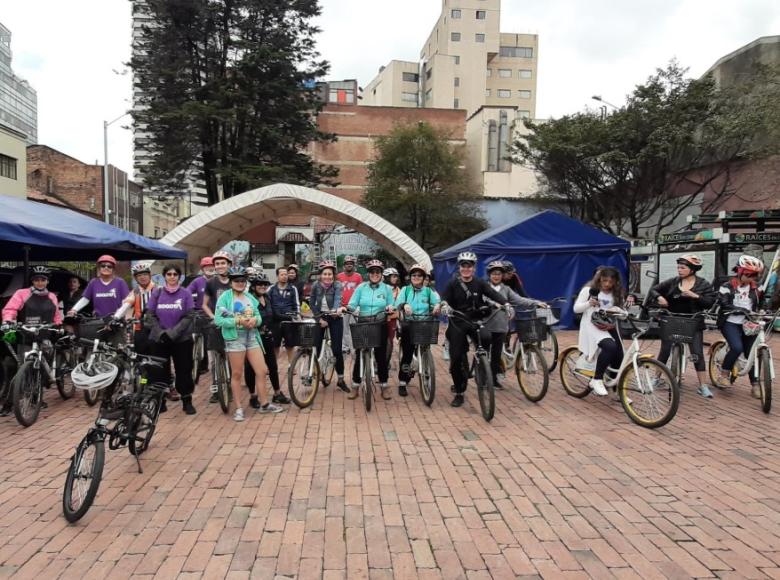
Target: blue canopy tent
{"points": [[36, 231], [554, 255]]}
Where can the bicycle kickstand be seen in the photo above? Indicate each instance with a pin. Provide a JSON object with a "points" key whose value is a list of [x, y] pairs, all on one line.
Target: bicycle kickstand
{"points": [[138, 461]]}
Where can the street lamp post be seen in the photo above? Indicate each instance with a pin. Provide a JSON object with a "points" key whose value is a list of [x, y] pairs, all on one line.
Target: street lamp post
{"points": [[106, 125], [600, 100]]}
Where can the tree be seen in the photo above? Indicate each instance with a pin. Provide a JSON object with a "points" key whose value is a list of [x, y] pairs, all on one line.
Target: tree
{"points": [[673, 143], [418, 183], [227, 90]]}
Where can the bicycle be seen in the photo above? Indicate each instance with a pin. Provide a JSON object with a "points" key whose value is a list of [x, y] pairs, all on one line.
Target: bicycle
{"points": [[480, 365], [680, 329], [41, 366], [423, 332], [647, 391], [105, 329], [531, 369], [367, 333], [310, 364], [9, 364], [760, 352], [220, 370], [198, 344], [135, 417]]}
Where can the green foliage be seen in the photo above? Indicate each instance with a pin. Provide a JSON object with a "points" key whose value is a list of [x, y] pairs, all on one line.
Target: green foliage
{"points": [[418, 183], [224, 84], [642, 166]]}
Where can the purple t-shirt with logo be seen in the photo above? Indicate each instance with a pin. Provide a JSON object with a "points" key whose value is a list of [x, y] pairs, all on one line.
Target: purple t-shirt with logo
{"points": [[170, 307], [198, 289], [106, 298]]}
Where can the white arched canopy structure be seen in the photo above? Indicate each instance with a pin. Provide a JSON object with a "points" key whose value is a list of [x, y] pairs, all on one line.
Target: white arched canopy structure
{"points": [[212, 228]]}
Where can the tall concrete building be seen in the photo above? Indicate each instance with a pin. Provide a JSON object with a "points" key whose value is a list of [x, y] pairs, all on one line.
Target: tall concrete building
{"points": [[18, 100], [468, 63]]}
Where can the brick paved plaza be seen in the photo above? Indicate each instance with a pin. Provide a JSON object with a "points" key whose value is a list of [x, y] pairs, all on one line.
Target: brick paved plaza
{"points": [[564, 488]]}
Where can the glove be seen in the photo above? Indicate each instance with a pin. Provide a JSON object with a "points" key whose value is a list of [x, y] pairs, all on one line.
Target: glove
{"points": [[165, 338]]}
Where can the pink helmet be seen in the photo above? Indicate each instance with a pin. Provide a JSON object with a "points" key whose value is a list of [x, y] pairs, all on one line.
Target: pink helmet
{"points": [[207, 261], [374, 264]]}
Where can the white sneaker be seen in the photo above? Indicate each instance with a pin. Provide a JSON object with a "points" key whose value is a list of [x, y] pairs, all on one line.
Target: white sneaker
{"points": [[270, 408], [446, 354], [597, 385], [238, 415]]}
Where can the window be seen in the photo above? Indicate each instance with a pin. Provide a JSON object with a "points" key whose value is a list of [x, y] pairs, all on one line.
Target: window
{"points": [[516, 51], [504, 94], [487, 92], [455, 13], [7, 167], [524, 94], [523, 114], [455, 36], [505, 73], [410, 77], [525, 74], [428, 94], [457, 81], [457, 59], [456, 104], [489, 72], [481, 14], [409, 97], [479, 37]]}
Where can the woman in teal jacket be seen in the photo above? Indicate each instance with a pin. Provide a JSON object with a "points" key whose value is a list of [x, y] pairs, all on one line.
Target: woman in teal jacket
{"points": [[238, 317]]}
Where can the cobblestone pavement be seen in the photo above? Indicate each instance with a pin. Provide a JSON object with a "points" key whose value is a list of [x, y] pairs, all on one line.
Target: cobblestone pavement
{"points": [[563, 488]]}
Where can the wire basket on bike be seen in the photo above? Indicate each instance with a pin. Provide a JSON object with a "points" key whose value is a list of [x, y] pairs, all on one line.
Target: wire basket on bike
{"points": [[97, 329], [368, 334], [680, 329], [530, 328], [423, 331], [299, 333]]}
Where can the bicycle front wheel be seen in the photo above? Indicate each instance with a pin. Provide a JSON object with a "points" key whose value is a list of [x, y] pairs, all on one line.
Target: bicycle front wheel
{"points": [[327, 364], [576, 382], [142, 429], [27, 394], [303, 378], [676, 362], [765, 379], [368, 379], [718, 352], [549, 349], [427, 376], [83, 479], [532, 374], [484, 380], [649, 394], [197, 356], [222, 380]]}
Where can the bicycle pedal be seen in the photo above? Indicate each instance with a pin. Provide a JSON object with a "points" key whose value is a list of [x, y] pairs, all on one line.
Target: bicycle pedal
{"points": [[213, 389]]}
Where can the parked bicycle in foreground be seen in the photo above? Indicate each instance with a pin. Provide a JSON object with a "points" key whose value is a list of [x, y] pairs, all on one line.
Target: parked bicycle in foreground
{"points": [[423, 332], [311, 363]]}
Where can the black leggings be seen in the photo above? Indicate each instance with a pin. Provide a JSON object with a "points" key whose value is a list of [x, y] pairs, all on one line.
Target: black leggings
{"points": [[697, 351], [496, 344], [270, 362], [181, 353], [611, 355], [336, 326], [380, 355]]}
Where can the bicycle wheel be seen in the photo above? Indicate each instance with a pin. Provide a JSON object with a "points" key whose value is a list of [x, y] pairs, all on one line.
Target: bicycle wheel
{"points": [[327, 364], [302, 385], [718, 352], [142, 429], [428, 376], [65, 364], [484, 380], [222, 380], [197, 356], [765, 379], [83, 480], [549, 350], [368, 379], [27, 390], [576, 382], [532, 374], [650, 397], [675, 362]]}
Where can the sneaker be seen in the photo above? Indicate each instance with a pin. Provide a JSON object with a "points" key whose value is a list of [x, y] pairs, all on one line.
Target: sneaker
{"points": [[254, 403], [342, 385], [280, 398], [355, 391], [755, 391], [270, 408], [402, 390], [597, 386], [186, 404], [446, 355], [457, 401], [497, 385], [386, 395], [238, 415], [705, 391]]}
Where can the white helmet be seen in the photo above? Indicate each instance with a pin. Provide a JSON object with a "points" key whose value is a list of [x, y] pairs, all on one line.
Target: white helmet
{"points": [[467, 257], [389, 272], [94, 377]]}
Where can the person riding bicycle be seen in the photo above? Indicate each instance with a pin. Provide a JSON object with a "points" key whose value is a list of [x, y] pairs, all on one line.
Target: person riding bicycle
{"points": [[604, 292], [466, 293], [198, 285], [106, 293], [741, 293], [326, 297], [286, 303], [258, 287], [370, 299], [686, 293], [238, 317], [499, 326], [414, 299], [137, 301]]}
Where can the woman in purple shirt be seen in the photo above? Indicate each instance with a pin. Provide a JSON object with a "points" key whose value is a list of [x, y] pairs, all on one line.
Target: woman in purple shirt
{"points": [[169, 316], [106, 292]]}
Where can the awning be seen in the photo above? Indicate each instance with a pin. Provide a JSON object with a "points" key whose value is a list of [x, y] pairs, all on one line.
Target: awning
{"points": [[53, 234]]}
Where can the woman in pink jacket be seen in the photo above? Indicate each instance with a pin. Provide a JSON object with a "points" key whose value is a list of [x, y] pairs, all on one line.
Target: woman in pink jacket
{"points": [[34, 305]]}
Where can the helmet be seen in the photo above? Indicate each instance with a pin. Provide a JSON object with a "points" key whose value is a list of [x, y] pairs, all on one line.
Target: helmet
{"points": [[390, 272], [40, 271], [327, 264], [222, 254], [251, 271], [106, 258], [237, 272], [260, 278], [352, 259], [206, 262], [509, 267], [374, 265], [467, 257], [602, 321], [418, 268], [691, 260], [496, 265], [94, 377], [141, 268], [293, 267], [750, 265]]}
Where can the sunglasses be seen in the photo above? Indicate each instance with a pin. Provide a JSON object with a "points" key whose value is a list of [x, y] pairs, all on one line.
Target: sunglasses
{"points": [[416, 275], [172, 274], [107, 266]]}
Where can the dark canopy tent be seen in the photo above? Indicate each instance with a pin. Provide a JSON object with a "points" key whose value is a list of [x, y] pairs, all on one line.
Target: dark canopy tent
{"points": [[52, 234], [554, 255]]}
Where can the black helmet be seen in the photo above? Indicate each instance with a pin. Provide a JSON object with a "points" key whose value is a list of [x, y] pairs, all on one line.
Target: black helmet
{"points": [[509, 267], [237, 272], [40, 272], [602, 321], [259, 278]]}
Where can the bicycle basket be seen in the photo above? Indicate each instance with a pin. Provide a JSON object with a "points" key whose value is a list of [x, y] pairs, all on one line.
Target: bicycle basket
{"points": [[299, 333], [214, 340], [367, 334], [678, 328], [424, 331], [97, 329], [531, 329], [202, 322]]}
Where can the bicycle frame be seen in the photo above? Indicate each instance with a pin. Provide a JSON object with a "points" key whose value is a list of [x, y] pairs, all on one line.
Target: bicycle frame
{"points": [[759, 344]]}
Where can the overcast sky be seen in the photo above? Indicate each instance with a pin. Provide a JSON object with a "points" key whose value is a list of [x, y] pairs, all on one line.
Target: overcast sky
{"points": [[69, 50]]}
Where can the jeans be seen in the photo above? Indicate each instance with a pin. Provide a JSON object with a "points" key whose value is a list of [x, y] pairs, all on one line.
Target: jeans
{"points": [[336, 326], [738, 344], [697, 351]]}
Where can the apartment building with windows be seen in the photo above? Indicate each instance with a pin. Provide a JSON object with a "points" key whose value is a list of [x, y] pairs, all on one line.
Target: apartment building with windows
{"points": [[18, 100]]}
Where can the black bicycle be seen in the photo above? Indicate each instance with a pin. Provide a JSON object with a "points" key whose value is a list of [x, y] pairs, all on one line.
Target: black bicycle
{"points": [[128, 420]]}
